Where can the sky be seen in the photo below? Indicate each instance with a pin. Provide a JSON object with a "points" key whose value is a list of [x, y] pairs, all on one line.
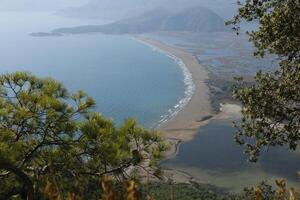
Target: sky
{"points": [[38, 5], [113, 8], [123, 8]]}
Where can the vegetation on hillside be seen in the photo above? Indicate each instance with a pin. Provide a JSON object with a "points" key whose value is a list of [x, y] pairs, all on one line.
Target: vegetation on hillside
{"points": [[130, 190]]}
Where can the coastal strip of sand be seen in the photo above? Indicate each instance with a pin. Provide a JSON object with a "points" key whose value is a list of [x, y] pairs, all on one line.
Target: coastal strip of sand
{"points": [[196, 113], [187, 122]]}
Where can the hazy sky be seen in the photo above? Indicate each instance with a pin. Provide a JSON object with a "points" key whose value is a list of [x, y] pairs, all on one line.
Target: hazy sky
{"points": [[113, 8], [38, 5], [225, 8]]}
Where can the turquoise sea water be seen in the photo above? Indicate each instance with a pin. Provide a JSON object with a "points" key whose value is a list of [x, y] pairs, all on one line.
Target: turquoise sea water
{"points": [[125, 77]]}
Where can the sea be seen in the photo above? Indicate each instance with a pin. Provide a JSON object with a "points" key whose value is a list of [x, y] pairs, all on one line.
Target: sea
{"points": [[127, 78]]}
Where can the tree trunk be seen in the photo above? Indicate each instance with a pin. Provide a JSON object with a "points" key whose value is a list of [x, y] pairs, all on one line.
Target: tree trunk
{"points": [[8, 166]]}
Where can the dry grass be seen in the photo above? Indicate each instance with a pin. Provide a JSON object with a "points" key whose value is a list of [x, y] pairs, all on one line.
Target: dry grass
{"points": [[282, 193], [51, 191]]}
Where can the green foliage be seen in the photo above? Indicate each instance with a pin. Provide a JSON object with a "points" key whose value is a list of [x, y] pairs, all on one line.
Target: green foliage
{"points": [[47, 134], [261, 192], [179, 191], [184, 191], [271, 106], [279, 25]]}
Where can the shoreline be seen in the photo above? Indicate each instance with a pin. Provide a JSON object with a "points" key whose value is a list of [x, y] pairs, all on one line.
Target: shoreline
{"points": [[197, 109], [188, 82], [194, 113]]}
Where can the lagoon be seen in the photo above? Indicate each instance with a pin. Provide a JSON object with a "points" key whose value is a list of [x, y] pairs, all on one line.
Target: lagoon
{"points": [[213, 157]]}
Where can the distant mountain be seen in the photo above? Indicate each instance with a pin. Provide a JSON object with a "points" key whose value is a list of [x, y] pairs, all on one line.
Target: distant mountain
{"points": [[116, 10], [110, 9], [196, 19]]}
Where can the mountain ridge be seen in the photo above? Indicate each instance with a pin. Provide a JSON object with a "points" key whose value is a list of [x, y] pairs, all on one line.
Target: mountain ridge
{"points": [[195, 19], [116, 10]]}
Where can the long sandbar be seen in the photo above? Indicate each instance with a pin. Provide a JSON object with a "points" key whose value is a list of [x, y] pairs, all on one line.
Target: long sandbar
{"points": [[187, 122]]}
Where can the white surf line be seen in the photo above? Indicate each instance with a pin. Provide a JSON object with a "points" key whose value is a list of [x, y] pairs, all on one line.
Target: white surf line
{"points": [[188, 82]]}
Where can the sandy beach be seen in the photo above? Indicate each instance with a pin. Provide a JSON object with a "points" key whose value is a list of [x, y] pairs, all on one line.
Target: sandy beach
{"points": [[185, 125], [187, 122], [198, 112]]}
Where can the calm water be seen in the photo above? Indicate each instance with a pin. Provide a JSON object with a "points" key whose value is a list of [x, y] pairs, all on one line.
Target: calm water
{"points": [[126, 78], [213, 157]]}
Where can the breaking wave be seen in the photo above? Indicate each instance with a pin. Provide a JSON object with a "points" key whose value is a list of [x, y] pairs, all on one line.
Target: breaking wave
{"points": [[188, 82]]}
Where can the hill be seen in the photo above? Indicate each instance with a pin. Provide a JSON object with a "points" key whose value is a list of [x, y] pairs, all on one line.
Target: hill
{"points": [[116, 10], [196, 19]]}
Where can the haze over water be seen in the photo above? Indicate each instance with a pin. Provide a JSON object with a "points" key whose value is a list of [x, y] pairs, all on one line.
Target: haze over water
{"points": [[126, 78]]}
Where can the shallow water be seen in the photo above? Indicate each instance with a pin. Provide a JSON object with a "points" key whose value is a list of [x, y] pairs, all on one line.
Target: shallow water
{"points": [[213, 157], [223, 53]]}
